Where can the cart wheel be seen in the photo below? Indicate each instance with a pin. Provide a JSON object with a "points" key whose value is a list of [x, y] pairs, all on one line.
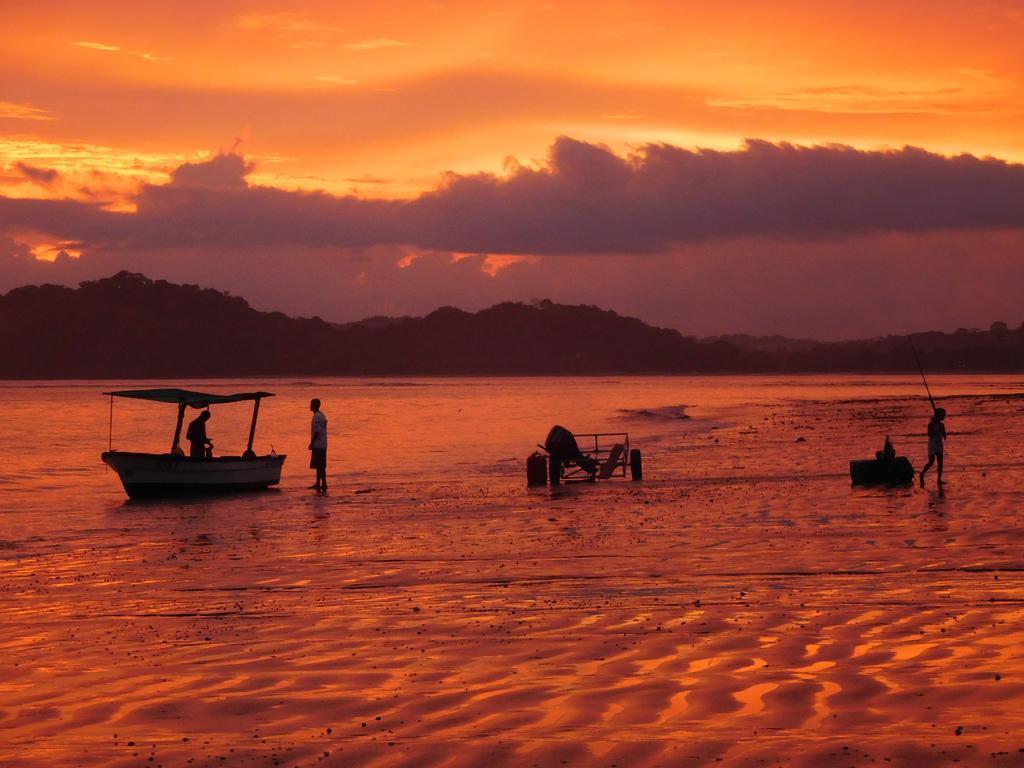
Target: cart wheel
{"points": [[555, 470], [636, 466]]}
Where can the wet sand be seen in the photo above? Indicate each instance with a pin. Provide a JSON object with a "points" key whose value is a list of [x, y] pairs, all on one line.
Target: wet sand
{"points": [[749, 609]]}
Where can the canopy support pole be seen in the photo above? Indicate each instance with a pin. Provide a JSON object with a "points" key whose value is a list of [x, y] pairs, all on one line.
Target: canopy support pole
{"points": [[177, 429], [252, 426], [110, 426]]}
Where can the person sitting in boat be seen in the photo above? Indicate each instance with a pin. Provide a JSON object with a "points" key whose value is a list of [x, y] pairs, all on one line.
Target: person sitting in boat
{"points": [[888, 453], [562, 446], [201, 445]]}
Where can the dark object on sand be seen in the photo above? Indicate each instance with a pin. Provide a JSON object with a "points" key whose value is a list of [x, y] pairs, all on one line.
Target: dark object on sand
{"points": [[564, 452], [606, 454], [885, 468], [636, 465], [537, 469]]}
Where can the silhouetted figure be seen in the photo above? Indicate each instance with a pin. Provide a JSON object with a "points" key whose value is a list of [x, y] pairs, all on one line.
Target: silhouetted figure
{"points": [[888, 453], [318, 446], [562, 447], [886, 467], [936, 436], [201, 446]]}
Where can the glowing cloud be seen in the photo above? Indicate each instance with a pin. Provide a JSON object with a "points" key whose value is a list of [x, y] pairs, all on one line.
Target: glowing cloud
{"points": [[585, 199], [117, 49], [11, 111], [284, 22], [97, 46], [375, 44]]}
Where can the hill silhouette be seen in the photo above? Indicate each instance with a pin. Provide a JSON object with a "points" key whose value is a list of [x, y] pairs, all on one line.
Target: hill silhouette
{"points": [[128, 326]]}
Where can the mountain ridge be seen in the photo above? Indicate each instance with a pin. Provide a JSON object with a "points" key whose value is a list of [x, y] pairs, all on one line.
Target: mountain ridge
{"points": [[129, 326]]}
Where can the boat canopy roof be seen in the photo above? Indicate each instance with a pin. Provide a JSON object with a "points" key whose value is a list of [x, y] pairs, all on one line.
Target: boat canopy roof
{"points": [[187, 397]]}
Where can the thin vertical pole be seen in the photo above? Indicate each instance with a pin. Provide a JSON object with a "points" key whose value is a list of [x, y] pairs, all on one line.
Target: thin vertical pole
{"points": [[921, 371], [252, 426], [177, 429], [110, 426]]}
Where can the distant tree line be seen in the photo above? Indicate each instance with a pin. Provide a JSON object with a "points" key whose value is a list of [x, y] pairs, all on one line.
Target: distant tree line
{"points": [[128, 326]]}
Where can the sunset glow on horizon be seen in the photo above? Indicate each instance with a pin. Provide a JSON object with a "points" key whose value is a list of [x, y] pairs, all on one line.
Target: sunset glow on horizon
{"points": [[101, 100], [460, 383], [339, 99]]}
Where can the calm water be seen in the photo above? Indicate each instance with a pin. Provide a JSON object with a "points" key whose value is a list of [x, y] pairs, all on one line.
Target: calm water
{"points": [[415, 437], [742, 603]]}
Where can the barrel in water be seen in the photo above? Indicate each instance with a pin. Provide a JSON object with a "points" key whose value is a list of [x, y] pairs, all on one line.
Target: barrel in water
{"points": [[536, 469]]}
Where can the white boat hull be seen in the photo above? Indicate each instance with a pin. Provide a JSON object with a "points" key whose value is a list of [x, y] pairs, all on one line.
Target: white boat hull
{"points": [[154, 475]]}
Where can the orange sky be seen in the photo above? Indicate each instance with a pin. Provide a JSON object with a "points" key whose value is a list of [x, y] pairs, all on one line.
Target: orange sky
{"points": [[382, 97]]}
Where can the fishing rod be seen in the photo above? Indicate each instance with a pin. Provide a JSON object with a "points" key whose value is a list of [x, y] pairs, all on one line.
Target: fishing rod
{"points": [[921, 371]]}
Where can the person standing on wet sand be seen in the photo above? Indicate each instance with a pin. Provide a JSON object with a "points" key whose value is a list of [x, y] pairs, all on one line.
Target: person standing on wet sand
{"points": [[318, 446], [936, 436]]}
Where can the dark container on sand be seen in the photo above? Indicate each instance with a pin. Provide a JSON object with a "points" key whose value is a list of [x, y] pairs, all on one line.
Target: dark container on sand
{"points": [[536, 469], [877, 471], [886, 468]]}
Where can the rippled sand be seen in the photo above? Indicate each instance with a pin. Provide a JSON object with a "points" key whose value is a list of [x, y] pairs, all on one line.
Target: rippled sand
{"points": [[750, 609]]}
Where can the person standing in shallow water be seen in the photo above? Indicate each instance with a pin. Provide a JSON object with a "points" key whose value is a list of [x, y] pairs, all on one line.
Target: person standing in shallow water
{"points": [[936, 436], [318, 446]]}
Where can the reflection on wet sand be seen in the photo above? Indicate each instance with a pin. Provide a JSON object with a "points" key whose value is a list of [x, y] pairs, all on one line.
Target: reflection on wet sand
{"points": [[750, 619]]}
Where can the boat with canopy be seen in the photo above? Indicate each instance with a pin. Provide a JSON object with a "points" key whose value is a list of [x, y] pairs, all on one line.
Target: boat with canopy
{"points": [[155, 475]]}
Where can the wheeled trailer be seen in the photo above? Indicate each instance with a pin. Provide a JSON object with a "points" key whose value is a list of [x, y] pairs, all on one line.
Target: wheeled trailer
{"points": [[586, 457]]}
